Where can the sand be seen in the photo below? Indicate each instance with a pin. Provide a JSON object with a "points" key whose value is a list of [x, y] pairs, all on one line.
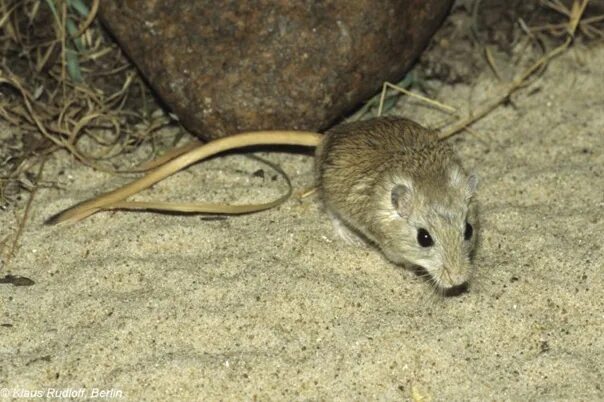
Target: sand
{"points": [[273, 306]]}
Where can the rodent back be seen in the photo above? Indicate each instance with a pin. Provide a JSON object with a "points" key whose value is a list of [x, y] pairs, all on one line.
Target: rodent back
{"points": [[354, 157]]}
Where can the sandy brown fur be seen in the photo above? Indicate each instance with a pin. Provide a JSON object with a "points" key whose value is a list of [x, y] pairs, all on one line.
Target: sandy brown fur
{"points": [[358, 165]]}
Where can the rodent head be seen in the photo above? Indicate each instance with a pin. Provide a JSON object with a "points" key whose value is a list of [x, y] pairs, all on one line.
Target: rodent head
{"points": [[432, 222]]}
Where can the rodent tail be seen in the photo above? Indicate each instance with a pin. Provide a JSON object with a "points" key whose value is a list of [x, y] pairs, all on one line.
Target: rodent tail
{"points": [[115, 199]]}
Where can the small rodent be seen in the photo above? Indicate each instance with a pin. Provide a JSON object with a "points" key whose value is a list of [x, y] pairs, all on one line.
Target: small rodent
{"points": [[386, 180], [390, 181]]}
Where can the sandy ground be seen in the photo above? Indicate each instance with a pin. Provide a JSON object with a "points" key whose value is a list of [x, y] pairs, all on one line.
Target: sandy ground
{"points": [[273, 306]]}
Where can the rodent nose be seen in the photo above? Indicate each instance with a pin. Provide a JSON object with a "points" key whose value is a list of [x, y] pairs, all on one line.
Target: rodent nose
{"points": [[456, 290]]}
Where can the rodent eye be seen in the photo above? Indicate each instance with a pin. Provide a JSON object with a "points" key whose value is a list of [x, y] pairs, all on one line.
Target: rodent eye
{"points": [[423, 238], [469, 231]]}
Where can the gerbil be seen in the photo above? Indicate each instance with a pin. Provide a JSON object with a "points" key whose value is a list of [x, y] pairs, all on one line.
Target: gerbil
{"points": [[387, 180], [390, 181]]}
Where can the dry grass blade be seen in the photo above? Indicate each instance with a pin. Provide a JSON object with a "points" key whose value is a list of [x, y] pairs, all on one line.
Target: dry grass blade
{"points": [[27, 101], [211, 208], [577, 10], [424, 99], [585, 25], [492, 63], [23, 220], [168, 156], [7, 14], [47, 96], [107, 200], [574, 17], [89, 19]]}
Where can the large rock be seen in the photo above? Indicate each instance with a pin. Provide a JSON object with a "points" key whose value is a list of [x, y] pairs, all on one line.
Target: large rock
{"points": [[229, 66]]}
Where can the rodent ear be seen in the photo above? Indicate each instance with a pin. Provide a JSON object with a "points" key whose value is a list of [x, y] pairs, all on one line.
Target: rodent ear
{"points": [[401, 198], [471, 185], [467, 183]]}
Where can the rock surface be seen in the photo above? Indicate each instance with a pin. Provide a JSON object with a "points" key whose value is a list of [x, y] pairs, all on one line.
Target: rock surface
{"points": [[232, 66]]}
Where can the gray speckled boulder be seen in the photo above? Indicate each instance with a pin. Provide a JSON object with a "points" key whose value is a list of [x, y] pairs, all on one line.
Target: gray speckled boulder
{"points": [[229, 66]]}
